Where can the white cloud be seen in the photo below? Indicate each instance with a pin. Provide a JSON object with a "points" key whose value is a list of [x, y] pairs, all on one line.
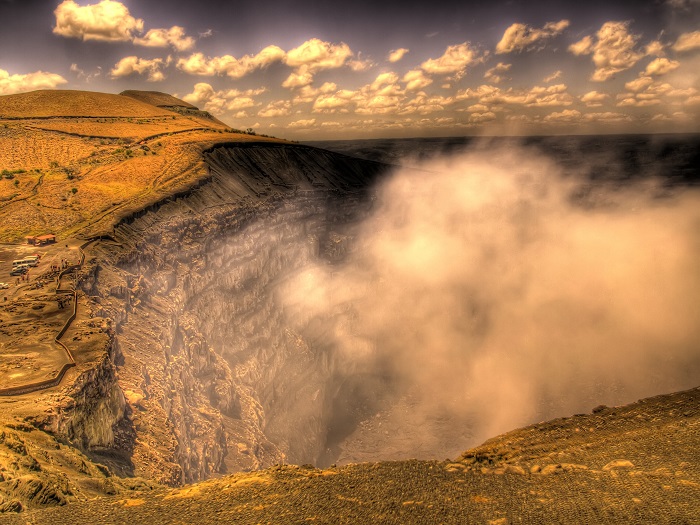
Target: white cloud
{"points": [[607, 116], [424, 104], [582, 47], [655, 48], [478, 118], [687, 42], [279, 108], [495, 74], [198, 64], [111, 21], [477, 108], [83, 74], [397, 54], [567, 115], [416, 79], [299, 78], [309, 93], [594, 99], [360, 64], [661, 66], [537, 96], [134, 65], [108, 21], [639, 84], [302, 124], [317, 55], [638, 102], [175, 36], [520, 36], [551, 78], [454, 60], [330, 102], [10, 84], [204, 95], [613, 50]]}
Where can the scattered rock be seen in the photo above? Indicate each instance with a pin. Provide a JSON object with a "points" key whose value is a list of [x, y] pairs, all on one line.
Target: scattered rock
{"points": [[618, 463]]}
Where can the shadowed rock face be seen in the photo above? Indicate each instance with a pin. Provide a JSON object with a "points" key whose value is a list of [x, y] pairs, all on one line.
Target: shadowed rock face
{"points": [[220, 375]]}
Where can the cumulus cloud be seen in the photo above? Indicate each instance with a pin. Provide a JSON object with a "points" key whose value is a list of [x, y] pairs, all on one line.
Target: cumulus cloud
{"points": [[537, 96], [607, 116], [614, 50], [661, 66], [198, 64], [134, 65], [19, 83], [302, 124], [582, 47], [423, 104], [551, 78], [81, 73], [397, 54], [687, 42], [108, 21], [329, 103], [454, 60], [204, 95], [645, 91], [279, 108], [416, 79], [480, 118], [175, 36], [655, 48], [316, 55], [520, 36], [639, 84], [594, 99], [111, 21], [567, 115], [495, 74]]}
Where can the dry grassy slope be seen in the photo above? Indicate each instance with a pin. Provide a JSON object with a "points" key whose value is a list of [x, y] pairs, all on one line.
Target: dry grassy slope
{"points": [[633, 464], [74, 162], [156, 98]]}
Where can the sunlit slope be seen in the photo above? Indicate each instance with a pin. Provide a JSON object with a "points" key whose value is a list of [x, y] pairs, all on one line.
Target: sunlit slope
{"points": [[156, 98], [75, 161]]}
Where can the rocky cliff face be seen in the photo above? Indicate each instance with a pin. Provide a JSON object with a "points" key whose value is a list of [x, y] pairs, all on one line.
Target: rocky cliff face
{"points": [[214, 368]]}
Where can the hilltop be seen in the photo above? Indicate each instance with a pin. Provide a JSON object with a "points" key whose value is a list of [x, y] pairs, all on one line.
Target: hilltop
{"points": [[158, 99], [75, 162]]}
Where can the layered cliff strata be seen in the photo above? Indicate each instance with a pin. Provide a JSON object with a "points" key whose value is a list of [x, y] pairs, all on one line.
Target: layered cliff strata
{"points": [[217, 375]]}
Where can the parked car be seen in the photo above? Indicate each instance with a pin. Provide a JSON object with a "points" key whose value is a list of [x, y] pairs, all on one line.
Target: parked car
{"points": [[18, 270], [4, 286]]}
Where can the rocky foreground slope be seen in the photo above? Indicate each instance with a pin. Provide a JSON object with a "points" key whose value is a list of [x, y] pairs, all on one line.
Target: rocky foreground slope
{"points": [[631, 464]]}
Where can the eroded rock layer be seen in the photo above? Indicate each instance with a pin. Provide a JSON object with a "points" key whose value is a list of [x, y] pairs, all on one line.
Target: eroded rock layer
{"points": [[217, 376]]}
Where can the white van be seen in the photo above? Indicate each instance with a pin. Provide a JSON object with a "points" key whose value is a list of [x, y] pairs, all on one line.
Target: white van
{"points": [[27, 261]]}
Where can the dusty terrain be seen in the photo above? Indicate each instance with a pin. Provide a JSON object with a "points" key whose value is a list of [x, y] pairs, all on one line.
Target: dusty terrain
{"points": [[75, 162], [163, 214], [632, 464]]}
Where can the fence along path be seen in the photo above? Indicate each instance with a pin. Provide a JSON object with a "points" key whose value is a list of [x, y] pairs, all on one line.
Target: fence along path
{"points": [[55, 381]]}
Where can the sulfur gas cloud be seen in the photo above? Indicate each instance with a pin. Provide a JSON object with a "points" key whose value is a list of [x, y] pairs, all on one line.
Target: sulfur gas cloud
{"points": [[496, 288]]}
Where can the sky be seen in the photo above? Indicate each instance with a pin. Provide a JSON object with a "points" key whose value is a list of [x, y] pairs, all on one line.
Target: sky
{"points": [[314, 70]]}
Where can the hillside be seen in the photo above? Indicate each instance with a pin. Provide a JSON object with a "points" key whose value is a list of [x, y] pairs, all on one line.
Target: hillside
{"points": [[156, 98], [74, 162]]}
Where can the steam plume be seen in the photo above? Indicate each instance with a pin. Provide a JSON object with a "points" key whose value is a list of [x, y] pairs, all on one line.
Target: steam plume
{"points": [[484, 287]]}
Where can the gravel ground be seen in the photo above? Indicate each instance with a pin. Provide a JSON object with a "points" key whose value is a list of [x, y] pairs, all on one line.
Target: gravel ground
{"points": [[632, 464]]}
